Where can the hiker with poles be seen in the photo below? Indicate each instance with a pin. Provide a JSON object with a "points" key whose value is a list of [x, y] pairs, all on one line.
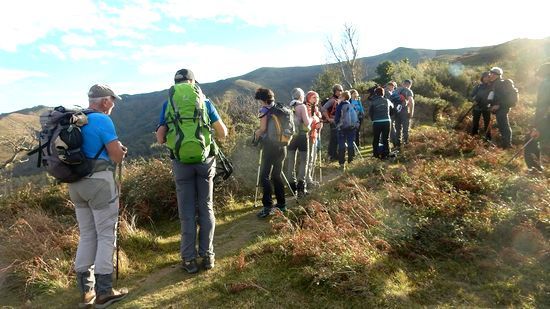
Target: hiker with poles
{"points": [[541, 131], [312, 102], [96, 203], [186, 123], [299, 143], [274, 135], [480, 96]]}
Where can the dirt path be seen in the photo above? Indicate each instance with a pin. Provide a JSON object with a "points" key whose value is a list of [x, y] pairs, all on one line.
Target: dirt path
{"points": [[230, 238]]}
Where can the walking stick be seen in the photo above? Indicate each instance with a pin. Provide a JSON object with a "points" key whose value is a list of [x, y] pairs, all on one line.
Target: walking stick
{"points": [[519, 151], [118, 219], [463, 116], [258, 178], [288, 184], [357, 149], [320, 155]]}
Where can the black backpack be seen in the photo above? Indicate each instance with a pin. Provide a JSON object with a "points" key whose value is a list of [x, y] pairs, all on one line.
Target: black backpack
{"points": [[60, 141], [507, 94]]}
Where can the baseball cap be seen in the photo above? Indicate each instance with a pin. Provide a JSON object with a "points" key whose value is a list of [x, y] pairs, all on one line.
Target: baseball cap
{"points": [[100, 91], [496, 70], [392, 83], [184, 74], [408, 81]]}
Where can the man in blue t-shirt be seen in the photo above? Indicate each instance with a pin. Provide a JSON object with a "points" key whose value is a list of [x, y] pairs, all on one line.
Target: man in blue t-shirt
{"points": [[194, 189], [96, 203]]}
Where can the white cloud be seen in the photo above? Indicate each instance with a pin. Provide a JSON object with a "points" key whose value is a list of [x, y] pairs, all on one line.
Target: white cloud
{"points": [[78, 40], [176, 29], [54, 50], [8, 76], [20, 25], [88, 54]]}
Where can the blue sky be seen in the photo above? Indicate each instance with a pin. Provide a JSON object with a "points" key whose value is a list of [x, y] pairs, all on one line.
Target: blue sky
{"points": [[51, 52]]}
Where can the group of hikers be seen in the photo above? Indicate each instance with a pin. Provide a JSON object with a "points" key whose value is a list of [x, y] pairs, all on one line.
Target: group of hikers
{"points": [[186, 122], [496, 95], [344, 114]]}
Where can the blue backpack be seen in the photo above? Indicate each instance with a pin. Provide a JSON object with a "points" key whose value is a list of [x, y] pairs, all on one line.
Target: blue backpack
{"points": [[348, 117], [397, 98]]}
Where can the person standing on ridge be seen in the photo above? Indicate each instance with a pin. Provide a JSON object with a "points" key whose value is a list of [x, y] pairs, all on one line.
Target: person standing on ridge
{"points": [[96, 202], [346, 126], [273, 157], [379, 113], [300, 143], [480, 96], [194, 166], [404, 113], [501, 103], [312, 102], [328, 110]]}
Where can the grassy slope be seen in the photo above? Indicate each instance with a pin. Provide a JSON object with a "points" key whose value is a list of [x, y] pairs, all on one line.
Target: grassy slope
{"points": [[257, 268]]}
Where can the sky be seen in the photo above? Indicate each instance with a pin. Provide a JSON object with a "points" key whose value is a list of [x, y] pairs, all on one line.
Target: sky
{"points": [[52, 51]]}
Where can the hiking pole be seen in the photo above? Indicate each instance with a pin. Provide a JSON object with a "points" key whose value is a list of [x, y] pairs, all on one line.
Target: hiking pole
{"points": [[258, 178], [519, 151], [357, 149], [463, 116], [320, 155], [288, 184], [118, 220]]}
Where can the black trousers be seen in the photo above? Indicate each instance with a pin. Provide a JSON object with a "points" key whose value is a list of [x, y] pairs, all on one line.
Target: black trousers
{"points": [[333, 143], [486, 121], [273, 157], [381, 133]]}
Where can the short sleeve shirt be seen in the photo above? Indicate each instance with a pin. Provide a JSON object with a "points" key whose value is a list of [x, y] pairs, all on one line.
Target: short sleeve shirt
{"points": [[99, 132], [210, 109]]}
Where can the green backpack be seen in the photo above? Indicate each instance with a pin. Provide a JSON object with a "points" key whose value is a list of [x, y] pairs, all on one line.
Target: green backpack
{"points": [[188, 137]]}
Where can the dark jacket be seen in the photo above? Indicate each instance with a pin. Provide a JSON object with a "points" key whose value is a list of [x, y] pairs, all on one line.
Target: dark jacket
{"points": [[479, 95], [379, 109]]}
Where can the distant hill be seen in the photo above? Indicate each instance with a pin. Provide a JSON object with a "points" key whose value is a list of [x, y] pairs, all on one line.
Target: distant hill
{"points": [[136, 115]]}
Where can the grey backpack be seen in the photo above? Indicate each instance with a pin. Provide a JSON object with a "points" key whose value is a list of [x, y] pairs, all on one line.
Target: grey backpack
{"points": [[60, 142]]}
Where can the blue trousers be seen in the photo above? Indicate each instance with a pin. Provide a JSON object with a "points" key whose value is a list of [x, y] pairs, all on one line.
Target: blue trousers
{"points": [[346, 136]]}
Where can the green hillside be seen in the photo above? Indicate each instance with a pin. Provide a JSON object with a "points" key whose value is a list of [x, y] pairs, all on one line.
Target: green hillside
{"points": [[446, 225], [136, 116]]}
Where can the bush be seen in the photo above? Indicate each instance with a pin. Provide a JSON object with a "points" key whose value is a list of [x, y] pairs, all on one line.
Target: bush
{"points": [[149, 191]]}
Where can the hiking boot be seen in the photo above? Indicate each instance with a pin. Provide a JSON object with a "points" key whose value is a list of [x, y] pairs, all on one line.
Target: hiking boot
{"points": [[301, 189], [88, 300], [190, 266], [282, 208], [104, 301], [293, 186], [265, 212], [208, 262]]}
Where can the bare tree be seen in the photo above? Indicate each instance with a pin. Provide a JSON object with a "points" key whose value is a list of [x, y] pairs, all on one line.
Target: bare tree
{"points": [[345, 55]]}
